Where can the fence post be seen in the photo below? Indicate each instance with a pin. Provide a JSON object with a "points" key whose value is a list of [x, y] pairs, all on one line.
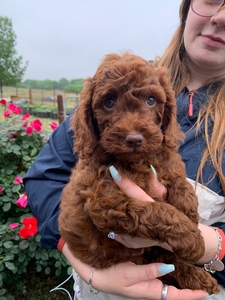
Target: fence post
{"points": [[61, 115], [30, 96]]}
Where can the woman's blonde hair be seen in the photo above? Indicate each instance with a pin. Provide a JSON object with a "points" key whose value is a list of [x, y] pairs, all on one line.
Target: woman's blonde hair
{"points": [[175, 61]]}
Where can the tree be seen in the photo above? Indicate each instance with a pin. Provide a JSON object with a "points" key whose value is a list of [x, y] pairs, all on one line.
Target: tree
{"points": [[11, 69]]}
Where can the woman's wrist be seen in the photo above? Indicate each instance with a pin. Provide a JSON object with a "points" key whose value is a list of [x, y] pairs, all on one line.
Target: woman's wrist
{"points": [[212, 244], [81, 268]]}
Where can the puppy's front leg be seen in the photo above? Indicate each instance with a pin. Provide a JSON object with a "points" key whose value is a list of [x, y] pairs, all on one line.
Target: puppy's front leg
{"points": [[155, 220]]}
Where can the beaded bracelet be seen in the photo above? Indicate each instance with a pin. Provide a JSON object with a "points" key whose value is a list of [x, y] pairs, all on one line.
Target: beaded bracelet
{"points": [[90, 282], [216, 264]]}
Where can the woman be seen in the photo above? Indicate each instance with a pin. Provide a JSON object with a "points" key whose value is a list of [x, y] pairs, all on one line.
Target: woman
{"points": [[195, 59]]}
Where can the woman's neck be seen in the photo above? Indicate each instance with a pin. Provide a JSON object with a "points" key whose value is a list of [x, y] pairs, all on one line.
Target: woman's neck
{"points": [[200, 75]]}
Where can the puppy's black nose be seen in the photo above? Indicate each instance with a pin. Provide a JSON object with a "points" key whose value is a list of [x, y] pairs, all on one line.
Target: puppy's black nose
{"points": [[134, 140]]}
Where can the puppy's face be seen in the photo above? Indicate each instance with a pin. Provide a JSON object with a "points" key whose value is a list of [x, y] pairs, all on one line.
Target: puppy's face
{"points": [[128, 108]]}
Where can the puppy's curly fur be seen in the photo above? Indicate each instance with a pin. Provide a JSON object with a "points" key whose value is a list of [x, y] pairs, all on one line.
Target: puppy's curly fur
{"points": [[127, 118]]}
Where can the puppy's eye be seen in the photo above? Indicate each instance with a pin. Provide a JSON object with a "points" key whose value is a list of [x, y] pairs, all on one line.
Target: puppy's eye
{"points": [[150, 101], [109, 103]]}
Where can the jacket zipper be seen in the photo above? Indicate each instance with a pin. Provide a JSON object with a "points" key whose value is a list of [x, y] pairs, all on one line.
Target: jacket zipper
{"points": [[190, 107]]}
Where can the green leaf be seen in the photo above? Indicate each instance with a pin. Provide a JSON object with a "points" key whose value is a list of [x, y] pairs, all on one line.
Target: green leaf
{"points": [[47, 270], [57, 272], [37, 238], [21, 258], [15, 148], [8, 172], [16, 188], [44, 256], [8, 257], [24, 244], [6, 207], [33, 246], [34, 152], [2, 292], [37, 255], [38, 268], [57, 264], [26, 158], [10, 266], [8, 244], [69, 270]]}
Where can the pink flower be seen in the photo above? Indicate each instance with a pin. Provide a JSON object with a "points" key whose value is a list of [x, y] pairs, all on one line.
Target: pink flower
{"points": [[22, 201], [13, 225], [37, 125], [3, 102], [29, 129], [14, 109], [6, 114], [18, 180], [25, 117], [54, 125], [1, 189]]}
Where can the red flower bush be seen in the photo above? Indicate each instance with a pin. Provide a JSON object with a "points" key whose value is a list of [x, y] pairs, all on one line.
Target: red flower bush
{"points": [[29, 229], [21, 139]]}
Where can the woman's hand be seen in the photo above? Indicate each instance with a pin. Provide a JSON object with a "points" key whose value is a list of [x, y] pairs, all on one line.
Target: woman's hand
{"points": [[132, 281], [132, 190]]}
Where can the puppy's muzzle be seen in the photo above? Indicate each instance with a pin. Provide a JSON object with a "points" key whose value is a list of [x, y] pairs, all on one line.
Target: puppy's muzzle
{"points": [[134, 140]]}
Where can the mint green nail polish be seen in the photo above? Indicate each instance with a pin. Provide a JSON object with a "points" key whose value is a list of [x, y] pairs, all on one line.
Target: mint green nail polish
{"points": [[165, 269], [114, 173], [209, 297]]}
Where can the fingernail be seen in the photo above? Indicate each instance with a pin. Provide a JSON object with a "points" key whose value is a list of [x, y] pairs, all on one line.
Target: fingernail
{"points": [[209, 297], [114, 173], [154, 171], [165, 269]]}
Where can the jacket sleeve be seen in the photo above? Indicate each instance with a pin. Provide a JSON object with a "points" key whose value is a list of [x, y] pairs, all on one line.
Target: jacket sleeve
{"points": [[46, 179]]}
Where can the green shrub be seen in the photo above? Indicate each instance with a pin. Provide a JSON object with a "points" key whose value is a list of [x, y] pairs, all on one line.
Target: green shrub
{"points": [[20, 142]]}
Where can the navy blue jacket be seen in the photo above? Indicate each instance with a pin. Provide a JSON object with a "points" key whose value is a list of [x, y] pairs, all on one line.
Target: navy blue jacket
{"points": [[51, 170]]}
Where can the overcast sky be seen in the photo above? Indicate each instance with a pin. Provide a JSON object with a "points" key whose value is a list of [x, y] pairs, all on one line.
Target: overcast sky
{"points": [[68, 38]]}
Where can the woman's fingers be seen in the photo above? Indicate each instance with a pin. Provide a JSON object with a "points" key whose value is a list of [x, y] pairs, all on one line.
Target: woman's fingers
{"points": [[136, 242], [133, 190], [141, 282], [129, 187]]}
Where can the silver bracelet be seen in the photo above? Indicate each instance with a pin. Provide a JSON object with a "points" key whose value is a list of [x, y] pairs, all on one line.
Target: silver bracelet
{"points": [[215, 264], [90, 282]]}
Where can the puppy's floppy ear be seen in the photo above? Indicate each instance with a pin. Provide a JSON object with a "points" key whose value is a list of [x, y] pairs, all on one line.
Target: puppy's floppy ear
{"points": [[82, 121], [170, 128]]}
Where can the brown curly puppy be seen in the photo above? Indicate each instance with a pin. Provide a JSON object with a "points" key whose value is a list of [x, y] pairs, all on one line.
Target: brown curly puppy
{"points": [[127, 118]]}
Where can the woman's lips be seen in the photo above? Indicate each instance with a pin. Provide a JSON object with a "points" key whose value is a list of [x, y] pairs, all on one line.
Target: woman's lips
{"points": [[213, 41]]}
